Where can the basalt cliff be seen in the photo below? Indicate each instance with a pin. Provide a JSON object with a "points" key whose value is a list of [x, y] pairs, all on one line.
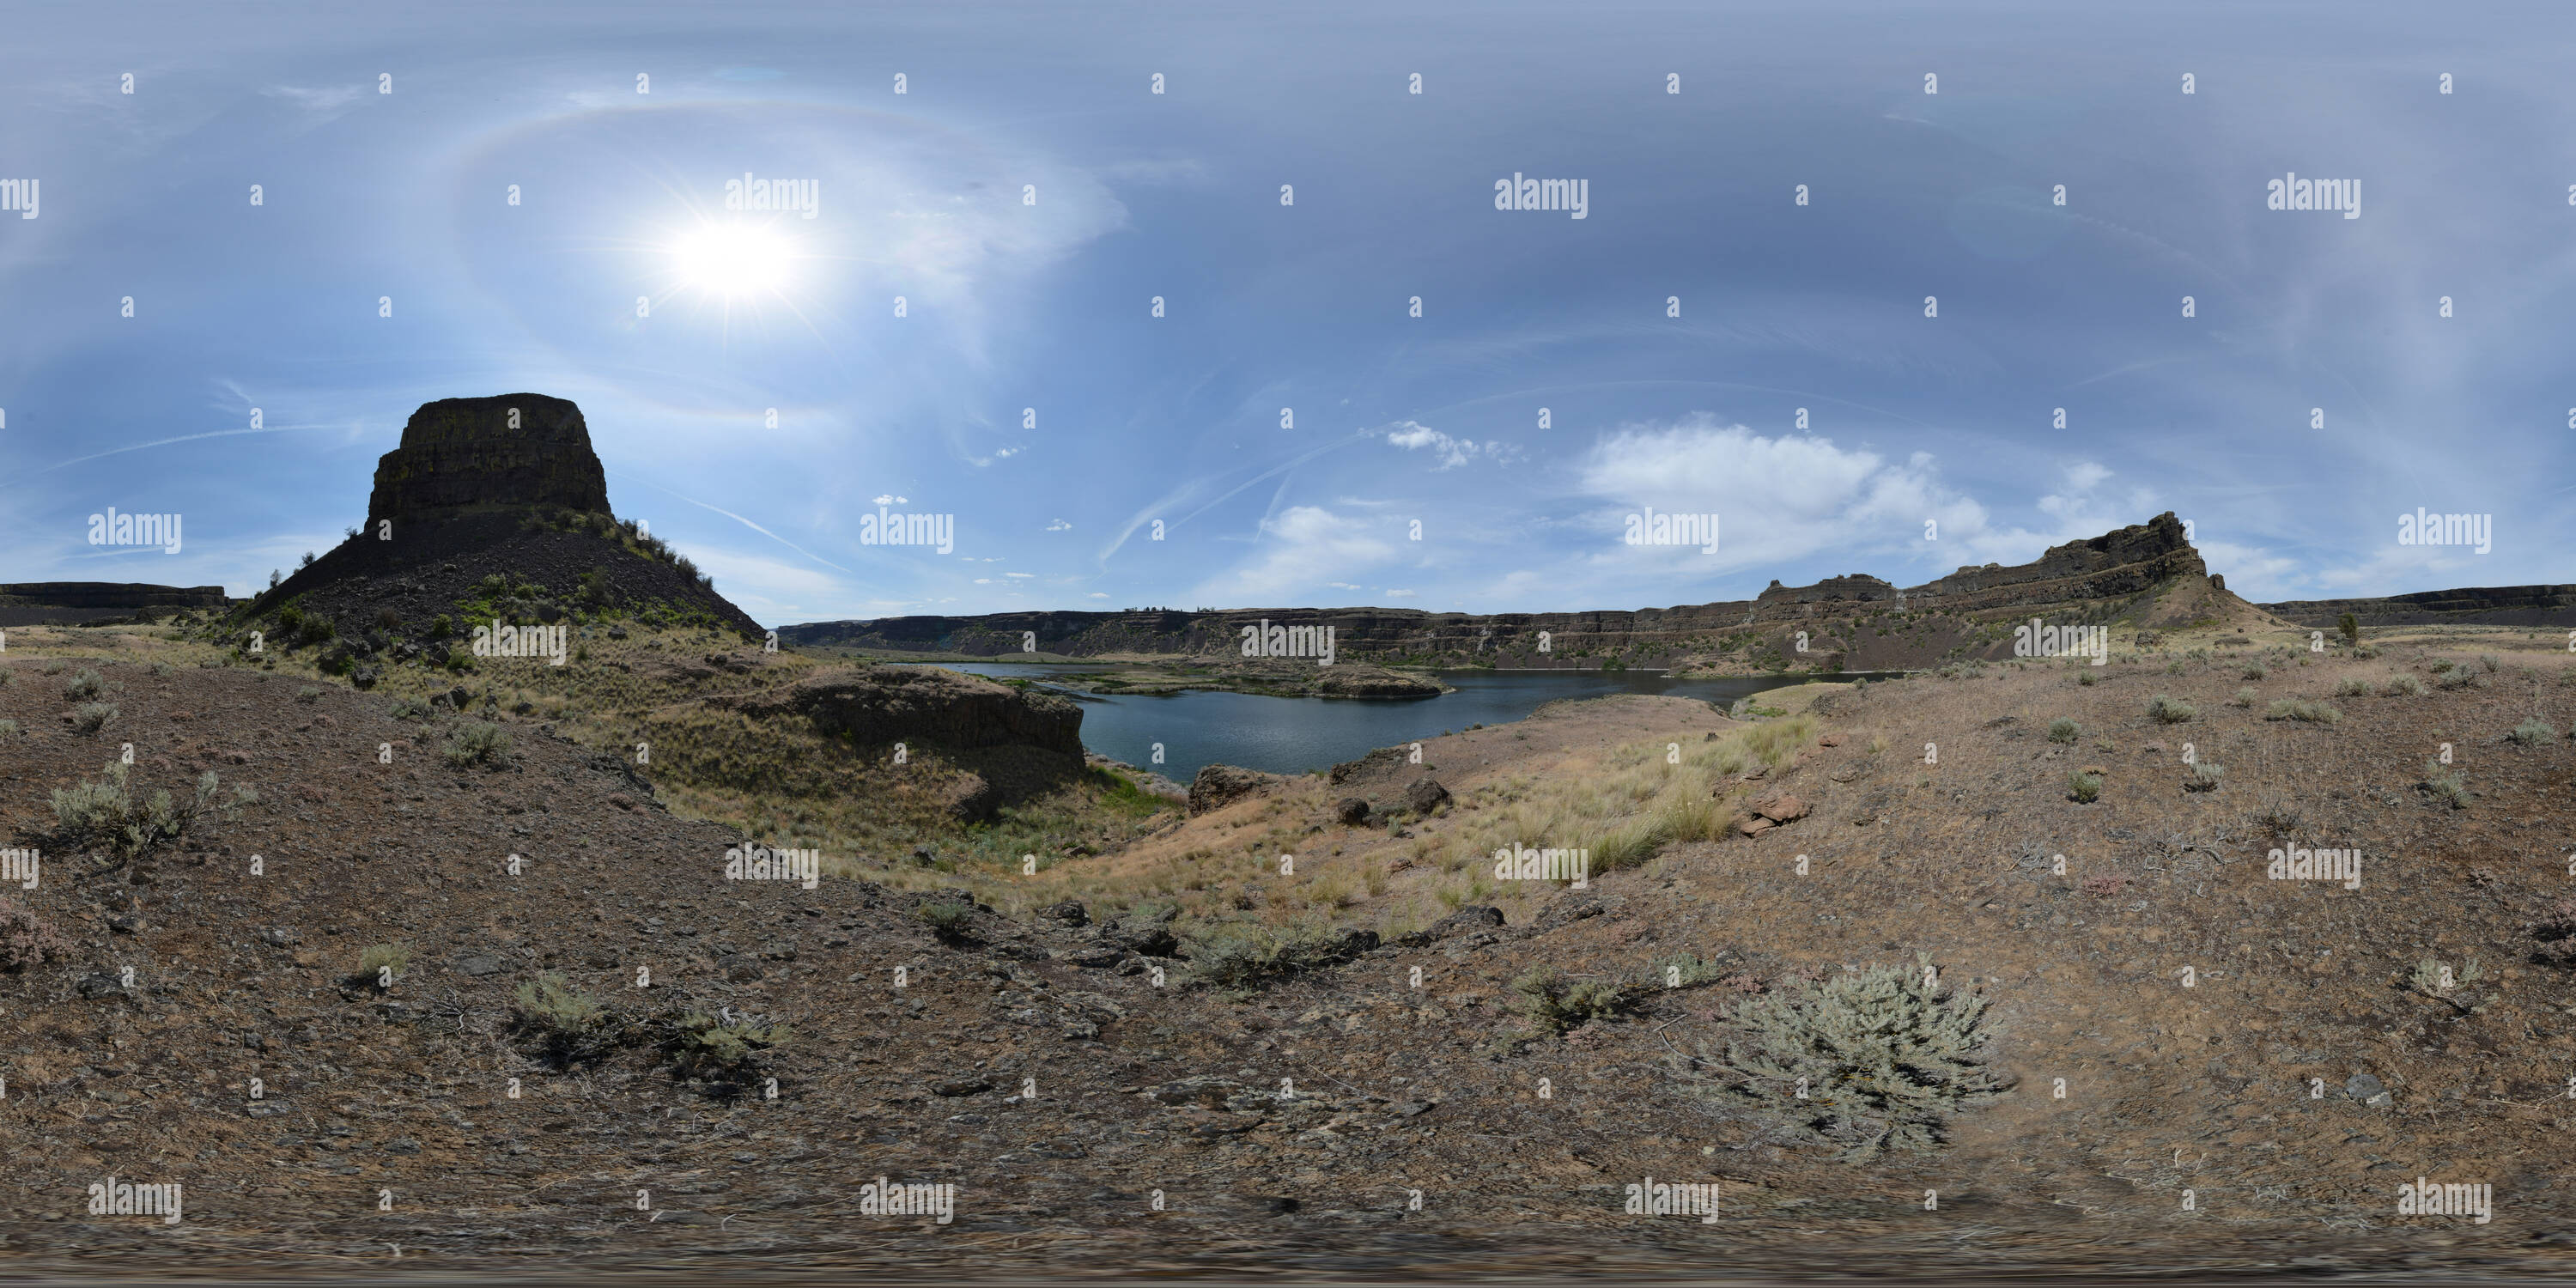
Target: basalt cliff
{"points": [[494, 508], [2147, 575]]}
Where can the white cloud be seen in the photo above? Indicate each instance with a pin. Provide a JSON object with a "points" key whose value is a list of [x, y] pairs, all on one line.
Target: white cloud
{"points": [[1301, 548], [1058, 525], [1453, 452], [328, 101], [891, 500]]}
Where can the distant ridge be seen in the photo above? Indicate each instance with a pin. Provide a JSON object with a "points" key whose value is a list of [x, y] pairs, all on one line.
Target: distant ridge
{"points": [[2147, 575], [67, 603], [2467, 605]]}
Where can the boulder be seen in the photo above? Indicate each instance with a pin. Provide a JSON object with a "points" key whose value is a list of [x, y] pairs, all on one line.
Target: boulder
{"points": [[1782, 808], [1218, 786], [1351, 811], [1425, 795]]}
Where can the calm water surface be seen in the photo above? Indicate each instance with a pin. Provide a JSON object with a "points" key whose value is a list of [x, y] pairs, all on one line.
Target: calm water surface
{"points": [[1295, 735]]}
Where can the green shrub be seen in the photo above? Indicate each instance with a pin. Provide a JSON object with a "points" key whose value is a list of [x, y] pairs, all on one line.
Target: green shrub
{"points": [[2533, 732], [2303, 710], [1237, 954], [408, 709], [2445, 783], [2084, 788], [307, 693], [2254, 672], [382, 964], [53, 666], [2244, 697], [2084, 678], [2352, 686], [2203, 776], [106, 810], [710, 1046], [8, 728], [84, 686], [316, 629], [1553, 1003], [2405, 686], [441, 626], [952, 922], [2063, 729], [565, 1024], [2169, 710], [477, 742], [90, 717], [1884, 1058]]}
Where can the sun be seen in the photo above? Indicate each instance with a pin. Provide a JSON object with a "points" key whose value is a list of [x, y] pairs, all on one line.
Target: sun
{"points": [[733, 260]]}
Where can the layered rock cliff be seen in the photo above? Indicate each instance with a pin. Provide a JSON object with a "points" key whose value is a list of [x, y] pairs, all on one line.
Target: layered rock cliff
{"points": [[2147, 573], [496, 503], [33, 603], [522, 450], [2468, 605]]}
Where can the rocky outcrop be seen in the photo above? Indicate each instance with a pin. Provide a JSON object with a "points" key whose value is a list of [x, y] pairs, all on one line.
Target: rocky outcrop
{"points": [[1218, 786], [518, 450], [504, 486], [2468, 605], [38, 603], [2133, 570], [877, 705]]}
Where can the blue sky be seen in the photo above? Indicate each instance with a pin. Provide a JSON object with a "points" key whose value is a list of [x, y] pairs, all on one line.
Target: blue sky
{"points": [[1012, 306]]}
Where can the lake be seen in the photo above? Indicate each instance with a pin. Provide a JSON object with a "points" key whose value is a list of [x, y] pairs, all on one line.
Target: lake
{"points": [[1296, 735]]}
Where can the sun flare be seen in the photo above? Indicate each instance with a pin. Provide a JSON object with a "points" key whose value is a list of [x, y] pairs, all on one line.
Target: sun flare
{"points": [[733, 259]]}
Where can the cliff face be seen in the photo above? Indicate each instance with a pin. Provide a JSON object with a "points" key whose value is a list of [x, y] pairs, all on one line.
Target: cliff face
{"points": [[876, 705], [2467, 605], [508, 450], [507, 486], [35, 603], [2147, 572]]}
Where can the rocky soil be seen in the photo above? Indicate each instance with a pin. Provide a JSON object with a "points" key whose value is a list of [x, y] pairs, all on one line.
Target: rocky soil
{"points": [[1100, 1113]]}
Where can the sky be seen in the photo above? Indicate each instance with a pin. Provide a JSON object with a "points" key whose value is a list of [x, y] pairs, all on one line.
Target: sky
{"points": [[1287, 431]]}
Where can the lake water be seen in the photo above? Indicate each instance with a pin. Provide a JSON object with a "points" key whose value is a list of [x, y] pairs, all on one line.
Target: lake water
{"points": [[1295, 735]]}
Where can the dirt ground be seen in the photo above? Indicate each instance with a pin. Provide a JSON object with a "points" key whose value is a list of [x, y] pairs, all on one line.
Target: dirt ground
{"points": [[2247, 1074]]}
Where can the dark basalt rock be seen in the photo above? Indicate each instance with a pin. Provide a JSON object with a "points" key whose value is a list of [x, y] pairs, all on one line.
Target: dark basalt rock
{"points": [[458, 453], [874, 706], [1218, 786]]}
